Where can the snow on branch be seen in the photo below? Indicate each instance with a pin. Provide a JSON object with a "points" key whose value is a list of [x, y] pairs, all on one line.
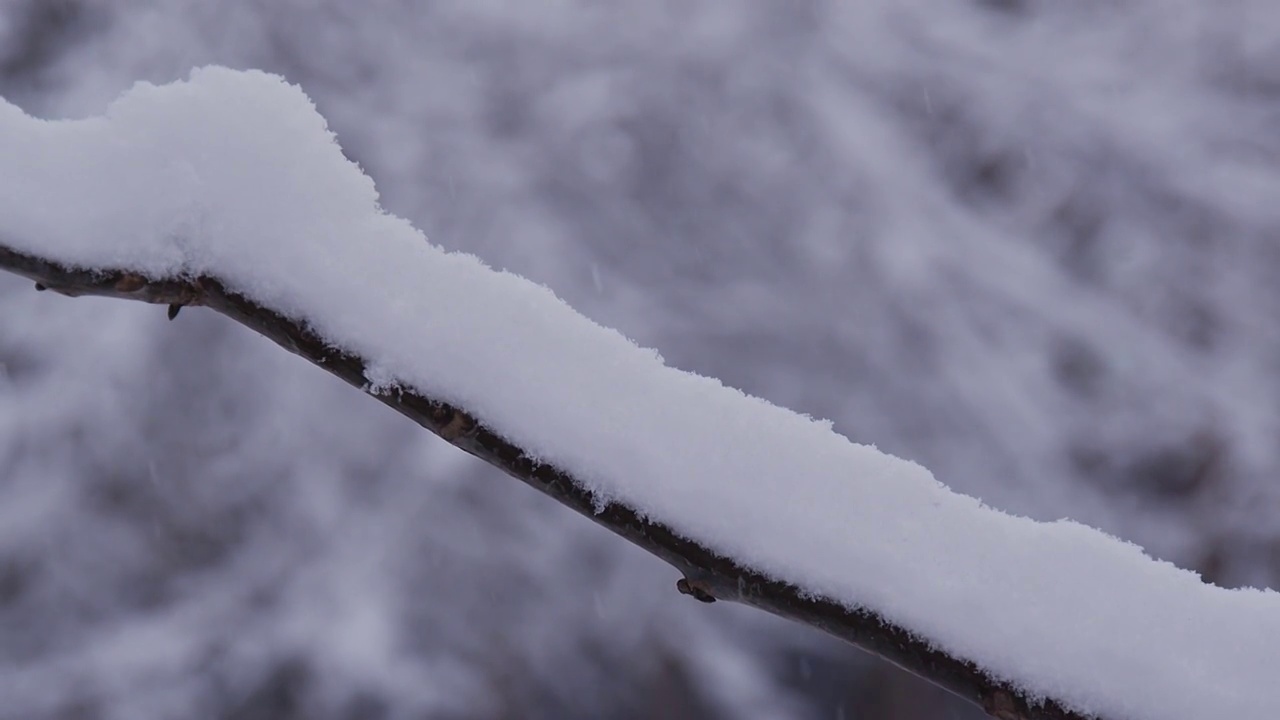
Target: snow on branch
{"points": [[707, 576], [228, 191]]}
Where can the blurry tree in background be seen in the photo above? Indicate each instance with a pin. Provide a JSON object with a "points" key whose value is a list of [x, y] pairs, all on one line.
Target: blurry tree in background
{"points": [[1031, 245]]}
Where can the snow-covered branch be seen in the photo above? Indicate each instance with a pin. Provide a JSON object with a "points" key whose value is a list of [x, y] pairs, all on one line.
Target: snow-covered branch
{"points": [[707, 576], [228, 192]]}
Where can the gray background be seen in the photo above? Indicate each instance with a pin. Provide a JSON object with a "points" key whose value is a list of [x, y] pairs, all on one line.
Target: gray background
{"points": [[1032, 245]]}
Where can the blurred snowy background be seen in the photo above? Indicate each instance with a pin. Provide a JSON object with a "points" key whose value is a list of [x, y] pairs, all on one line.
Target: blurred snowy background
{"points": [[1032, 245]]}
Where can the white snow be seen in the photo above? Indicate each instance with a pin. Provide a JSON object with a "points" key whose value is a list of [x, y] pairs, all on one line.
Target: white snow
{"points": [[235, 174]]}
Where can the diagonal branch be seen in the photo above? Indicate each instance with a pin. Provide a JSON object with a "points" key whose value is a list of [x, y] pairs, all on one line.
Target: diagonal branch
{"points": [[706, 576]]}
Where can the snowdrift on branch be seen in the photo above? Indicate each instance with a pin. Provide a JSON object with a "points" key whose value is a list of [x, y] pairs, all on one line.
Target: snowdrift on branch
{"points": [[230, 186]]}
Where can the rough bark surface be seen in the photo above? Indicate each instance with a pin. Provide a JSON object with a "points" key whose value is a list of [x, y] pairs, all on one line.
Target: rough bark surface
{"points": [[706, 576]]}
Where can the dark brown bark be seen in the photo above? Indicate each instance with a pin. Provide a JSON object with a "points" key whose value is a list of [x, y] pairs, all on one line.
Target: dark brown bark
{"points": [[706, 576]]}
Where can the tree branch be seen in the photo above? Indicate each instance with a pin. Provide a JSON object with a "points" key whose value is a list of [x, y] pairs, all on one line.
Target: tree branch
{"points": [[707, 576]]}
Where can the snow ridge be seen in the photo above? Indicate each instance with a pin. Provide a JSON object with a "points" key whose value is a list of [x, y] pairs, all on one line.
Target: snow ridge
{"points": [[235, 175]]}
